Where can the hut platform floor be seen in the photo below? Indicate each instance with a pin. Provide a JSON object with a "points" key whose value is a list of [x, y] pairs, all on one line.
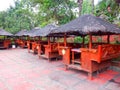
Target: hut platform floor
{"points": [[20, 70]]}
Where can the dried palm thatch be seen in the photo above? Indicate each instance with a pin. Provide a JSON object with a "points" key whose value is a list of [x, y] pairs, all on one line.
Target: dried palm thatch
{"points": [[21, 33], [4, 33], [45, 31], [31, 32], [88, 24]]}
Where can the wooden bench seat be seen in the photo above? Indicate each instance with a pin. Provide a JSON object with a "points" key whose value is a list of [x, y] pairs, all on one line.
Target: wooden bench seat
{"points": [[92, 60], [96, 59], [5, 43], [51, 50], [21, 43], [103, 52]]}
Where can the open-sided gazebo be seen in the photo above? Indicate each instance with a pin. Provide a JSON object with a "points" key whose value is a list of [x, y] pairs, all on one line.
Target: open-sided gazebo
{"points": [[4, 43], [94, 56], [47, 49], [21, 38], [32, 40]]}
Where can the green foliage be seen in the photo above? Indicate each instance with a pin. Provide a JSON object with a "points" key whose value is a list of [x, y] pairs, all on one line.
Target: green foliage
{"points": [[108, 9], [99, 39], [78, 39], [22, 16], [1, 37], [27, 14], [86, 39], [17, 18], [59, 11], [86, 7]]}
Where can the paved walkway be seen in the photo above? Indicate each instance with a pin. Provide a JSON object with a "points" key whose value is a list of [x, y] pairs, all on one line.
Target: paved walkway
{"points": [[20, 70]]}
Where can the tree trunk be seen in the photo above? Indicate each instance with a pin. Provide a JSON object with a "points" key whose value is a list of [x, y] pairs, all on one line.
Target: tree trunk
{"points": [[80, 6], [92, 6]]}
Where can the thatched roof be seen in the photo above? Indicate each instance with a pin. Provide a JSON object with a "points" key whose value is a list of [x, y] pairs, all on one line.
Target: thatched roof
{"points": [[31, 32], [45, 31], [21, 33], [4, 33], [87, 24]]}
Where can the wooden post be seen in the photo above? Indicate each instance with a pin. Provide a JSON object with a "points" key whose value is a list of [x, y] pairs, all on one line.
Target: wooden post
{"points": [[90, 41], [53, 39], [28, 44], [28, 38], [65, 40], [39, 38], [83, 41], [108, 39], [101, 39], [36, 38], [48, 40]]}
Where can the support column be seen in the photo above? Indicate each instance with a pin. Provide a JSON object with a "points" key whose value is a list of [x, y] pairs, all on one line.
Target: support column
{"points": [[108, 39], [90, 41], [83, 42], [48, 40], [65, 40]]}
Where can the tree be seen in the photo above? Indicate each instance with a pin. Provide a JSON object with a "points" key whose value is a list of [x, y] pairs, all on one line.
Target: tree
{"points": [[58, 11], [2, 19], [92, 6], [108, 9], [18, 17], [86, 7], [80, 6]]}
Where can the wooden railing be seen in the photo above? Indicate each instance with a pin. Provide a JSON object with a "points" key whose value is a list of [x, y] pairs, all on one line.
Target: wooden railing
{"points": [[34, 46], [41, 48], [109, 51], [51, 50], [21, 43], [103, 52], [52, 47], [92, 60], [7, 43]]}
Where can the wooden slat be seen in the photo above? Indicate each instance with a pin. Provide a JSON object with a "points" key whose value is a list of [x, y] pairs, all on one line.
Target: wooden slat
{"points": [[76, 61], [75, 66]]}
